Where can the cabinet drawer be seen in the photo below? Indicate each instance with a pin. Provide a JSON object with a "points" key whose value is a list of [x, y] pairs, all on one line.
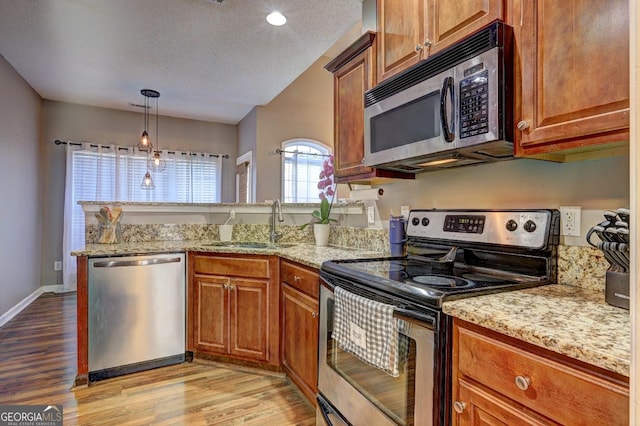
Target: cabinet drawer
{"points": [[232, 266], [560, 392], [300, 278]]}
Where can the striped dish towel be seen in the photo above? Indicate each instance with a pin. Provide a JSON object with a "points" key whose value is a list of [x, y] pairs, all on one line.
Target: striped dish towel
{"points": [[366, 329]]}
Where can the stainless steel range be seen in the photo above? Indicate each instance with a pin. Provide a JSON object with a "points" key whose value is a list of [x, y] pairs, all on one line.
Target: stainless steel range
{"points": [[375, 370]]}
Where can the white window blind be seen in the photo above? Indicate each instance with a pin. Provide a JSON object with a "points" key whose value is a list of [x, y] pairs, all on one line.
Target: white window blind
{"points": [[112, 173], [301, 166]]}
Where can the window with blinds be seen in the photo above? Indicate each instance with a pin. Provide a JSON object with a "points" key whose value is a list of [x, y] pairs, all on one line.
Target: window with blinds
{"points": [[115, 174], [301, 165]]}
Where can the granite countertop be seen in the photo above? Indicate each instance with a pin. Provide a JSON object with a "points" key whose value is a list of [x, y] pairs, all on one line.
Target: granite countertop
{"points": [[307, 254], [568, 320]]}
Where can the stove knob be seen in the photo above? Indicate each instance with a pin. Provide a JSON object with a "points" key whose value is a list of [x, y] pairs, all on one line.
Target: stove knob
{"points": [[512, 225], [415, 221], [530, 226], [425, 221]]}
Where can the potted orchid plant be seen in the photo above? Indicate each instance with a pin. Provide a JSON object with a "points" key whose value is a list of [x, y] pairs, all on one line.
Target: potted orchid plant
{"points": [[321, 217]]}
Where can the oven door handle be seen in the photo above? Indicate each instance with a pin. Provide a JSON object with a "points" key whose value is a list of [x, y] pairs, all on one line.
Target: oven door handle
{"points": [[409, 313], [330, 415]]}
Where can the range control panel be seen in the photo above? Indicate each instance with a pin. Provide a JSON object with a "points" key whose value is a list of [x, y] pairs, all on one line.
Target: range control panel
{"points": [[522, 228]]}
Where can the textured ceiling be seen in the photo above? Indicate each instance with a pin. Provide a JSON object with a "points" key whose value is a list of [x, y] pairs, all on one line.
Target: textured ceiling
{"points": [[209, 61]]}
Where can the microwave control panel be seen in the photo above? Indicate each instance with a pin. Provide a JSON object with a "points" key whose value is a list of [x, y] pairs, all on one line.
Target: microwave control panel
{"points": [[474, 104]]}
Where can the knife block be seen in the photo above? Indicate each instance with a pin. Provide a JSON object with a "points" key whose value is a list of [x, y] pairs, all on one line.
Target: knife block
{"points": [[617, 289]]}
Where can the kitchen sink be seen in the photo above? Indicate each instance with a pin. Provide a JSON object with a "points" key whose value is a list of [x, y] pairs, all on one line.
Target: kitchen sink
{"points": [[249, 245]]}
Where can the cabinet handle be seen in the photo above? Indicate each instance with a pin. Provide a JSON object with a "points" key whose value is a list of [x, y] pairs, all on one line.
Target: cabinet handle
{"points": [[523, 382], [419, 47], [314, 314], [427, 43], [232, 287], [225, 286], [523, 125], [459, 407]]}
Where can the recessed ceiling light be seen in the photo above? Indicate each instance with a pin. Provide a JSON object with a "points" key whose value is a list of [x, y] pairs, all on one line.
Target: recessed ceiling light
{"points": [[276, 18]]}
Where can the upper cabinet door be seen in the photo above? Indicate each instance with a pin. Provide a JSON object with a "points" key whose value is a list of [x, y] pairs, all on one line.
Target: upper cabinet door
{"points": [[401, 35], [572, 61], [451, 21]]}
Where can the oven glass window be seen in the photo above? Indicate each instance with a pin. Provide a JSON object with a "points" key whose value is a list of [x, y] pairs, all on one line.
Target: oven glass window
{"points": [[415, 121], [395, 396]]}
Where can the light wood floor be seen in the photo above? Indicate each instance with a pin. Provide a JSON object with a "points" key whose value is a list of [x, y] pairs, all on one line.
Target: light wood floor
{"points": [[37, 366]]}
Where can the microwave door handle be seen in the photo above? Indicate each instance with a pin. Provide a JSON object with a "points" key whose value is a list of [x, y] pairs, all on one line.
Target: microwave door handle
{"points": [[447, 91]]}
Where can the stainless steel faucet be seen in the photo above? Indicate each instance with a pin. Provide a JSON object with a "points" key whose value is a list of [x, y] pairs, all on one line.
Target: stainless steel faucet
{"points": [[275, 207]]}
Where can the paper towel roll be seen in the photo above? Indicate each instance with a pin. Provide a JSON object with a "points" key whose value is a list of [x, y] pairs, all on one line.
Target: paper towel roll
{"points": [[366, 194]]}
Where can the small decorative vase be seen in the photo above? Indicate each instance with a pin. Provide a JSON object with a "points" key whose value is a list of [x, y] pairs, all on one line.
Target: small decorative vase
{"points": [[110, 234], [321, 234]]}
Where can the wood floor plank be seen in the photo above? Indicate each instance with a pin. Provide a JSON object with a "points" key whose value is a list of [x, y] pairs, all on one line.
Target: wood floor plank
{"points": [[37, 366]]}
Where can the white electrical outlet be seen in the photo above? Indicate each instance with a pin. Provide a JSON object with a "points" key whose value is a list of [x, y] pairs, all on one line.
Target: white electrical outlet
{"points": [[570, 220], [57, 265], [371, 215], [404, 211]]}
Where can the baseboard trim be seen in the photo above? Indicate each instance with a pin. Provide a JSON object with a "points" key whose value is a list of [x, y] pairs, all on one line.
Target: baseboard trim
{"points": [[7, 316], [59, 288]]}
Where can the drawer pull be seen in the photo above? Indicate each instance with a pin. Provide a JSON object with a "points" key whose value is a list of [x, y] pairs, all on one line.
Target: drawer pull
{"points": [[296, 278], [459, 407], [523, 382]]}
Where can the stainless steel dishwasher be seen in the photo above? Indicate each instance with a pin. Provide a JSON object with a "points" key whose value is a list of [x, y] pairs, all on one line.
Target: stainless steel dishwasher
{"points": [[136, 313]]}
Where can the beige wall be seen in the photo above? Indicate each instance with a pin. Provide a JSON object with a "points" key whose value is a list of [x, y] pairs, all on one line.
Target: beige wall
{"points": [[303, 110], [521, 183], [247, 131], [20, 229], [84, 123]]}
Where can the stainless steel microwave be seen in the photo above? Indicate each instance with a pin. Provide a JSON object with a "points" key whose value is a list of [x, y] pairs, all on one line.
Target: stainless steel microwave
{"points": [[453, 109]]}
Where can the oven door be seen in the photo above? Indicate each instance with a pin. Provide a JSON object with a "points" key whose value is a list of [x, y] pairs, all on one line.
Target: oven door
{"points": [[365, 395], [414, 122]]}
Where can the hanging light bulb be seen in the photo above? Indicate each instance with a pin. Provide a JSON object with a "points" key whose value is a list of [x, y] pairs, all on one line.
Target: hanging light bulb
{"points": [[145, 142], [147, 182], [156, 163]]}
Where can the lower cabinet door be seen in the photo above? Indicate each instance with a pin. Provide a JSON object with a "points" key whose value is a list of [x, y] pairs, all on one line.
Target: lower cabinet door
{"points": [[211, 322], [478, 407], [249, 328], [300, 339]]}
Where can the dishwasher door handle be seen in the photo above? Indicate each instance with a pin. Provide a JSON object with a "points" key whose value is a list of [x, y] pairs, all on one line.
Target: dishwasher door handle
{"points": [[141, 262]]}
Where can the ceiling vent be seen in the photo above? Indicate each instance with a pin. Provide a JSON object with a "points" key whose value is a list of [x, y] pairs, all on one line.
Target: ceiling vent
{"points": [[216, 1]]}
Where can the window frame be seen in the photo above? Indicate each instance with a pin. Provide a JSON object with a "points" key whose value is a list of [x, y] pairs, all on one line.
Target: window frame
{"points": [[325, 150]]}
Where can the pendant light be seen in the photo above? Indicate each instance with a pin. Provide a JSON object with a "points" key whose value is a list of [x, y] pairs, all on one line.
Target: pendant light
{"points": [[147, 181], [155, 162], [145, 141]]}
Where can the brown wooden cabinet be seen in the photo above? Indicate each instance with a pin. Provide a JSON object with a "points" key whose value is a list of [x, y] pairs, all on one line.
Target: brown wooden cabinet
{"points": [[498, 380], [299, 326], [452, 21], [353, 74], [572, 64], [411, 30], [401, 35], [233, 306]]}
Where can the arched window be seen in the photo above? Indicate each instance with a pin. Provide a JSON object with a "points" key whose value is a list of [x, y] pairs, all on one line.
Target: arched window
{"points": [[301, 164]]}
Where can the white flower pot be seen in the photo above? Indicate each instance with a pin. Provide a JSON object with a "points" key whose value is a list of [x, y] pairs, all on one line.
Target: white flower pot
{"points": [[321, 234]]}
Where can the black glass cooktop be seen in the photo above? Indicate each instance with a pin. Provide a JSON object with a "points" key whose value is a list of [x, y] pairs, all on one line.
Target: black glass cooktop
{"points": [[419, 280]]}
